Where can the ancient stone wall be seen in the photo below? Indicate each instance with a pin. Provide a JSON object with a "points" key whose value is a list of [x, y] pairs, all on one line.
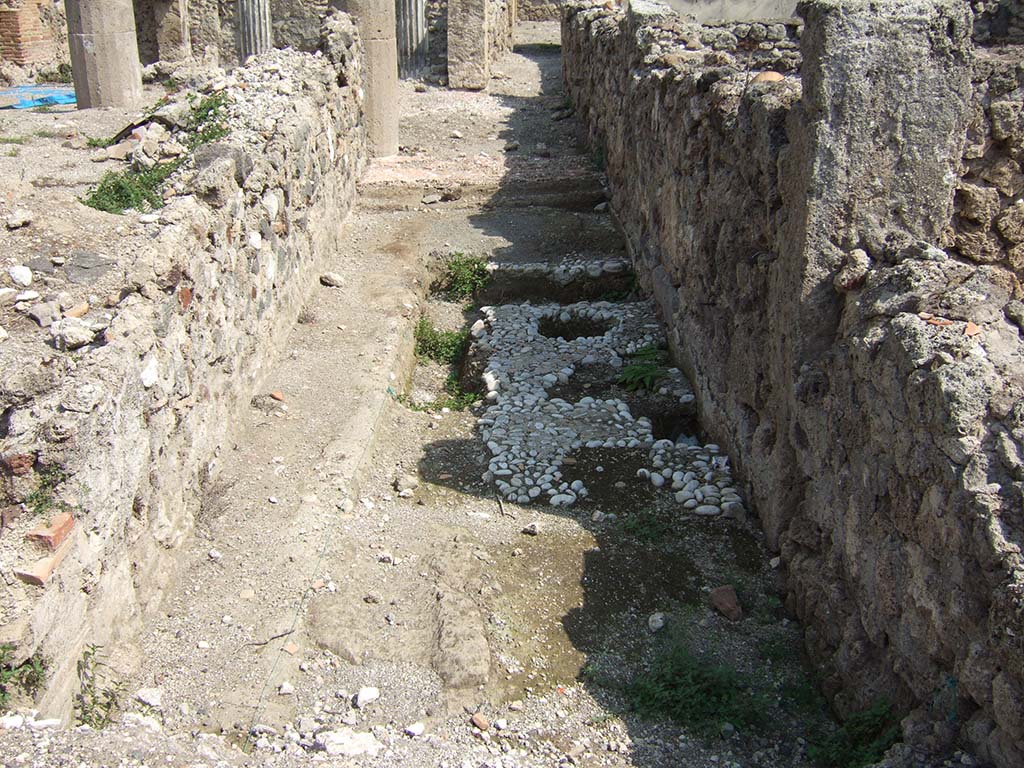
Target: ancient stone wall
{"points": [[539, 10], [988, 225], [998, 21], [500, 28], [711, 10], [135, 423], [437, 32], [867, 382]]}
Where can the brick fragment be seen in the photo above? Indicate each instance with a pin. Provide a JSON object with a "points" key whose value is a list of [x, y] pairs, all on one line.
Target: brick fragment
{"points": [[53, 535], [39, 572]]}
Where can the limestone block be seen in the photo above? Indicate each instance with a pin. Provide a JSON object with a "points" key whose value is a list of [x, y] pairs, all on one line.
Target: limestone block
{"points": [[469, 60]]}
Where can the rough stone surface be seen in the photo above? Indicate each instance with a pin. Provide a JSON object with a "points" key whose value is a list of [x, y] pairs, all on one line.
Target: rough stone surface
{"points": [[136, 422], [873, 405], [478, 31]]}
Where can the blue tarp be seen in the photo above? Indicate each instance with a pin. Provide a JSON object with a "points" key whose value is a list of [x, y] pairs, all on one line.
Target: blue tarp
{"points": [[29, 96]]}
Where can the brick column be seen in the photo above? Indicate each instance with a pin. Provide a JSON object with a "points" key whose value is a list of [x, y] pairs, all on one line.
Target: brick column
{"points": [[104, 53], [23, 38]]}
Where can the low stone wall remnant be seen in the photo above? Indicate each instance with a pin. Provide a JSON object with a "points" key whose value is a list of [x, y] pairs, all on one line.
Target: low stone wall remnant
{"points": [[832, 238], [124, 431]]}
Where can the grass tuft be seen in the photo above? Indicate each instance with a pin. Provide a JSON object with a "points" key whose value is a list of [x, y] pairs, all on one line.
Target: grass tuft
{"points": [[59, 74], [643, 375], [444, 347], [862, 739], [695, 692], [118, 191], [42, 500], [206, 121], [98, 697]]}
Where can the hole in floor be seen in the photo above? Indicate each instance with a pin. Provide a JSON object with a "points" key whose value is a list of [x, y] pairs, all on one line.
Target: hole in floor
{"points": [[668, 423], [573, 328], [614, 487]]}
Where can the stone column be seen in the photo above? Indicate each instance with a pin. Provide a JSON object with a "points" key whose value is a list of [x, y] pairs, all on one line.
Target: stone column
{"points": [[376, 22], [104, 53], [173, 40], [254, 30], [469, 54]]}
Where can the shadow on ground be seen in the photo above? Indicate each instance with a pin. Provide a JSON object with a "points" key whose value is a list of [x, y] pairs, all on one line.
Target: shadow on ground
{"points": [[639, 555]]}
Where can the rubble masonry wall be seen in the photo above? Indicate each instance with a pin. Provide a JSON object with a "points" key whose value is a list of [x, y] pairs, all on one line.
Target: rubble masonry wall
{"points": [[812, 240], [137, 422]]}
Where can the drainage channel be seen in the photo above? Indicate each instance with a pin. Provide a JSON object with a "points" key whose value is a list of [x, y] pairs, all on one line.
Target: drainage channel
{"points": [[560, 547]]}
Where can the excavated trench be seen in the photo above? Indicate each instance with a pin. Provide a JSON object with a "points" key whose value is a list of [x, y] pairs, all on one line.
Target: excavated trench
{"points": [[540, 526]]}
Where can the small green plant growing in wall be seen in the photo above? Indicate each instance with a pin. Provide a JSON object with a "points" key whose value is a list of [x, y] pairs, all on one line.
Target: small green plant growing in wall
{"points": [[645, 369], [206, 120], [43, 501], [27, 676], [118, 191], [98, 697]]}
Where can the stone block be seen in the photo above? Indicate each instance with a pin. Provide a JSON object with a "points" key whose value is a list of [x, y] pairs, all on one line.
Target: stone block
{"points": [[469, 58]]}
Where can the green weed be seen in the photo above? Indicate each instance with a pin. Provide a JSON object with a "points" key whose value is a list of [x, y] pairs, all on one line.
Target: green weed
{"points": [[777, 649], [42, 500], [98, 697], [598, 674], [862, 739], [44, 134], [642, 375], [119, 190], [464, 276], [695, 692], [649, 354], [803, 696], [445, 347], [19, 140], [28, 675], [645, 526], [206, 120], [98, 143], [454, 398]]}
